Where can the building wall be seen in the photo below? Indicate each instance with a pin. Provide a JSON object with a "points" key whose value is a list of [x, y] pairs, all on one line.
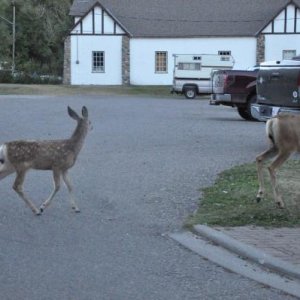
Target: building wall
{"points": [[276, 43], [142, 55], [81, 59]]}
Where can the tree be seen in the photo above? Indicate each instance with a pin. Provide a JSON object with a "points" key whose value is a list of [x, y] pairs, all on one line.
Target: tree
{"points": [[41, 26], [5, 35]]}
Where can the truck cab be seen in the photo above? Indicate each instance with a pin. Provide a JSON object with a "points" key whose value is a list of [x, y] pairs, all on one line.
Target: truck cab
{"points": [[278, 89]]}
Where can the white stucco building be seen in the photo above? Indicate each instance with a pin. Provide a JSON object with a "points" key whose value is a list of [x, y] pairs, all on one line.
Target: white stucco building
{"points": [[117, 42]]}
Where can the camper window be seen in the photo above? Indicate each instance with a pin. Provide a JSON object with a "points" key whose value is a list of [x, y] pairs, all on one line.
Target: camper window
{"points": [[189, 66], [224, 52]]}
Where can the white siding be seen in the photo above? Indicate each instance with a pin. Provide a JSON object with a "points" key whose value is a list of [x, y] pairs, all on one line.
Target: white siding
{"points": [[98, 20], [108, 24], [81, 60], [276, 43], [298, 21], [290, 18], [142, 55], [279, 23]]}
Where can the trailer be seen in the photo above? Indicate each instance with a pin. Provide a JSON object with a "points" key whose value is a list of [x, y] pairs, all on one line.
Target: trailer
{"points": [[192, 72]]}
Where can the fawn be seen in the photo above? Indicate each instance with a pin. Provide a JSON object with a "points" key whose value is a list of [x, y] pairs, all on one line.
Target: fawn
{"points": [[55, 155]]}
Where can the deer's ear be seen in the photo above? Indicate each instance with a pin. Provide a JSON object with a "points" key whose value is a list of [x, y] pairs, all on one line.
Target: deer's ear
{"points": [[85, 113], [73, 114]]}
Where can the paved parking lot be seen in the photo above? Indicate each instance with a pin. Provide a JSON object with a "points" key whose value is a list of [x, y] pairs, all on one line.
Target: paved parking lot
{"points": [[137, 178]]}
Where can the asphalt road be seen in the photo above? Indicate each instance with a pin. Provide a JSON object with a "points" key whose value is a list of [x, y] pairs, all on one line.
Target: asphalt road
{"points": [[136, 179]]}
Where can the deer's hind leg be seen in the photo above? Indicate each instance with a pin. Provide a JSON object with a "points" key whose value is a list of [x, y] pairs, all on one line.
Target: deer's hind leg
{"points": [[278, 161], [56, 180], [70, 189], [271, 152], [18, 187]]}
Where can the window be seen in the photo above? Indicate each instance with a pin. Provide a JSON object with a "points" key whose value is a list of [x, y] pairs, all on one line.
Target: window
{"points": [[98, 61], [197, 58], [288, 54], [161, 61], [224, 52], [189, 66]]}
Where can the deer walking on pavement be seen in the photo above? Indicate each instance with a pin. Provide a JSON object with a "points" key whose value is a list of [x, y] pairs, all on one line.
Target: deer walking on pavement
{"points": [[55, 155]]}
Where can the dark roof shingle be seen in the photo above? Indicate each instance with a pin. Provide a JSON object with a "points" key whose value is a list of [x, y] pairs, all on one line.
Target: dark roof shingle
{"points": [[188, 18]]}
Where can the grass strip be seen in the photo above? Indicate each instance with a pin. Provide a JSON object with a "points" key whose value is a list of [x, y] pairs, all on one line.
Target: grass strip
{"points": [[231, 201]]}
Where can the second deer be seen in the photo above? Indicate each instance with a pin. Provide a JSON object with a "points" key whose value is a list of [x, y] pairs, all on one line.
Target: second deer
{"points": [[55, 155], [283, 132]]}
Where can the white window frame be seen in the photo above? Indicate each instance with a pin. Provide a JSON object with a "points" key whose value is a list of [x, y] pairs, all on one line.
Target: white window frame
{"points": [[98, 61]]}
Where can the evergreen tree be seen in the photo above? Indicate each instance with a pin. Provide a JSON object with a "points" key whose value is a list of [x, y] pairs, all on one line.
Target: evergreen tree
{"points": [[41, 26]]}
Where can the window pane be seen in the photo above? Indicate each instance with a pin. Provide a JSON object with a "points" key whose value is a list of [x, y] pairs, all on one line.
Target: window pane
{"points": [[160, 61], [224, 52], [98, 61], [189, 66], [288, 54]]}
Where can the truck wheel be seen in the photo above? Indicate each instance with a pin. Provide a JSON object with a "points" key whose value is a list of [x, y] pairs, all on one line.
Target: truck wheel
{"points": [[190, 92], [243, 112]]}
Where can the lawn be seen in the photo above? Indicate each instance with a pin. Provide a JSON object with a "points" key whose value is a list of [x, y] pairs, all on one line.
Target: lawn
{"points": [[231, 201], [34, 89]]}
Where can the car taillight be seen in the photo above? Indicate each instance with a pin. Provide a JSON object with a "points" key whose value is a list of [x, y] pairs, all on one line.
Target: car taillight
{"points": [[225, 80]]}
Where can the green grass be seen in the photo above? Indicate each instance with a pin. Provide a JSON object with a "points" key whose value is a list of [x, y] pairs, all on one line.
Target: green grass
{"points": [[231, 201], [34, 89]]}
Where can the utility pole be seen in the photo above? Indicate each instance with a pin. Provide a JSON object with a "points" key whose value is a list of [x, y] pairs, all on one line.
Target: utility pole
{"points": [[13, 23], [13, 67]]}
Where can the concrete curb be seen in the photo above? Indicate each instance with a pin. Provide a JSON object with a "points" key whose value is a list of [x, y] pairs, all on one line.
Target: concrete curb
{"points": [[248, 251], [235, 263]]}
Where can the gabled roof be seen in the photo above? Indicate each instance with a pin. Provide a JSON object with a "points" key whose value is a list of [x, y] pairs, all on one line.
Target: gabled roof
{"points": [[188, 18]]}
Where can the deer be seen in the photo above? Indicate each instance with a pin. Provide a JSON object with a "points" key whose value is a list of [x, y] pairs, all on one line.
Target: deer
{"points": [[57, 156], [283, 132]]}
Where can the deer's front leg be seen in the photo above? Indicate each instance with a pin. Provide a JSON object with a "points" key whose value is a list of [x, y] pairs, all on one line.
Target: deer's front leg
{"points": [[261, 188], [70, 189], [18, 187], [56, 179]]}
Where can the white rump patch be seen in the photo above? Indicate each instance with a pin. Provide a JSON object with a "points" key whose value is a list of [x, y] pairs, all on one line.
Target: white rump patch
{"points": [[6, 167]]}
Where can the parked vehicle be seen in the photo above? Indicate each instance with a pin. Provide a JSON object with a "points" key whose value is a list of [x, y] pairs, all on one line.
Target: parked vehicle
{"points": [[235, 88], [192, 72], [278, 89]]}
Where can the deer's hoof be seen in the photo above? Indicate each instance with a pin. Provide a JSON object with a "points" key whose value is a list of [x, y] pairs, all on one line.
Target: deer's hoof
{"points": [[280, 205]]}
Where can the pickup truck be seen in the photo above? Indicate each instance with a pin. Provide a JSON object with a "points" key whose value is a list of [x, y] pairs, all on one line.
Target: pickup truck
{"points": [[235, 88], [278, 89]]}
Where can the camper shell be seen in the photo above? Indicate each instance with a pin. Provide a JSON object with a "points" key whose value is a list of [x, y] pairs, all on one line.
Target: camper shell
{"points": [[278, 89], [193, 72]]}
